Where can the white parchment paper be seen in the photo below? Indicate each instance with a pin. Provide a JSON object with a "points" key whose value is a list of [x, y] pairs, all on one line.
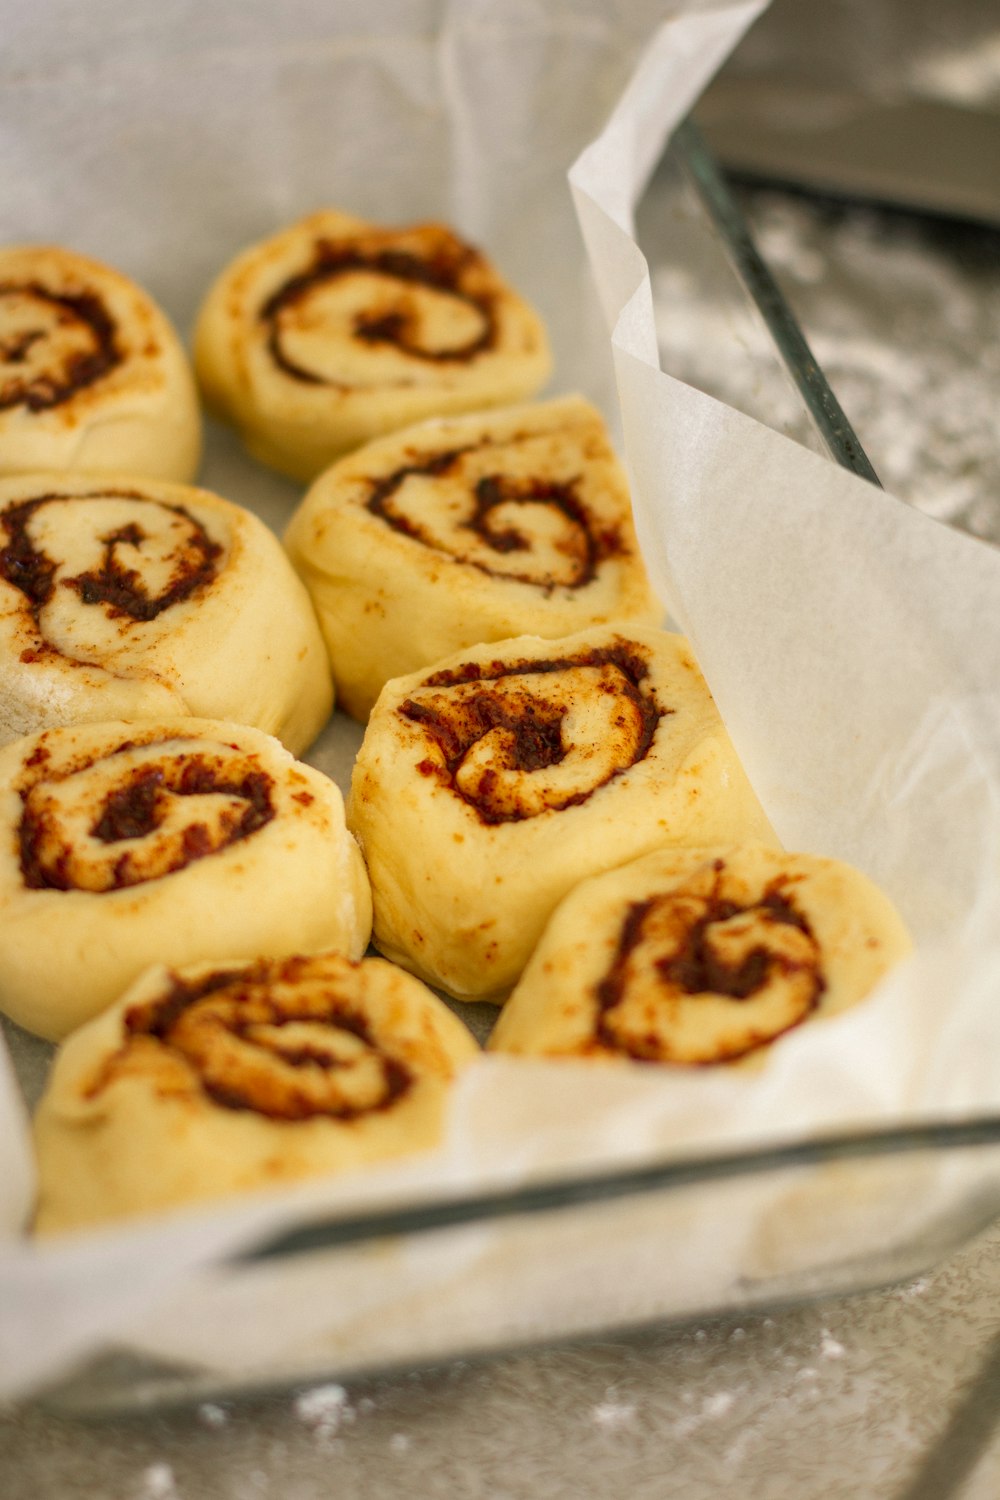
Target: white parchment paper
{"points": [[850, 643]]}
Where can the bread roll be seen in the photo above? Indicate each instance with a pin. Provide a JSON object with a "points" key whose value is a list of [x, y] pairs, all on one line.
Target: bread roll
{"points": [[133, 599], [185, 839], [92, 375], [701, 956], [468, 529], [335, 331], [216, 1079], [488, 786]]}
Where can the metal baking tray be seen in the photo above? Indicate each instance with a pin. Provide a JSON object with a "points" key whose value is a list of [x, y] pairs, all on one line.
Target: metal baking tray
{"points": [[650, 1229]]}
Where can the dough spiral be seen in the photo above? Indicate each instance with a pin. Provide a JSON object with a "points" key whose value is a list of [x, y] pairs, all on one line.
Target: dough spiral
{"points": [[128, 598], [336, 330], [93, 377], [286, 1057], [488, 786], [178, 840], [139, 813], [236, 1076], [700, 956], [538, 736], [480, 528]]}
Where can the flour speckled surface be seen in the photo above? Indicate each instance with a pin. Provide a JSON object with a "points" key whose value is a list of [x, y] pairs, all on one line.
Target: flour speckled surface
{"points": [[892, 1394]]}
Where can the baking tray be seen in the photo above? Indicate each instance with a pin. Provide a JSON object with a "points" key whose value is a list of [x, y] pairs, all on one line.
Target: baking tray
{"points": [[657, 1234], [717, 274], [630, 1217]]}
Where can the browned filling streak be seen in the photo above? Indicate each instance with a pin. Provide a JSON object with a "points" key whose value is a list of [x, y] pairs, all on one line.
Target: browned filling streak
{"points": [[536, 729], [696, 967], [383, 490], [534, 737], [285, 1056], [630, 662], [81, 314], [498, 489], [582, 548], [444, 270], [136, 809], [113, 583]]}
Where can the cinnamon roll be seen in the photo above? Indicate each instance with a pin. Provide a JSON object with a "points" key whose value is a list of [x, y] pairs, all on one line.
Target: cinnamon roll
{"points": [[93, 376], [701, 956], [487, 787], [215, 1079], [479, 528], [174, 841], [132, 599], [335, 331]]}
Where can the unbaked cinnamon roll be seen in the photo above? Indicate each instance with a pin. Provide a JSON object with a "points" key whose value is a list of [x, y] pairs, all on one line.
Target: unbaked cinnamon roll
{"points": [[180, 840], [93, 377], [488, 786], [335, 331], [468, 529], [132, 599], [210, 1080], [701, 956]]}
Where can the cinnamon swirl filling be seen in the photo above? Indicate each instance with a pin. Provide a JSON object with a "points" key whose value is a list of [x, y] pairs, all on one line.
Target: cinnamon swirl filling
{"points": [[376, 292], [52, 344], [137, 813], [529, 528], [277, 1039], [703, 976], [139, 555], [515, 740]]}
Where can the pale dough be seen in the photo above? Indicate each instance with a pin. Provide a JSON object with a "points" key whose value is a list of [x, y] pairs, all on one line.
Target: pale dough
{"points": [[701, 956], [127, 598], [186, 839], [468, 529], [224, 1078], [488, 786], [93, 376], [335, 331]]}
